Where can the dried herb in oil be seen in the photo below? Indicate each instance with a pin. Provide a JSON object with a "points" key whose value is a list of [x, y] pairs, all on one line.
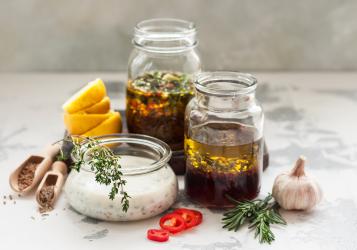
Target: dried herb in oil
{"points": [[156, 103]]}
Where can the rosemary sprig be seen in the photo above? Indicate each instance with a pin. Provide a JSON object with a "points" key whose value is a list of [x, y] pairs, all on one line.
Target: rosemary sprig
{"points": [[103, 162], [259, 213]]}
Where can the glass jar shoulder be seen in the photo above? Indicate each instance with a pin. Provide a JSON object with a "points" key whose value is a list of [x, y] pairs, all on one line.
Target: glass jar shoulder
{"points": [[252, 116]]}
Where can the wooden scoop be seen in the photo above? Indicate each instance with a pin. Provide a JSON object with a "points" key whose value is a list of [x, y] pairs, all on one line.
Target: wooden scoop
{"points": [[42, 162], [51, 185]]}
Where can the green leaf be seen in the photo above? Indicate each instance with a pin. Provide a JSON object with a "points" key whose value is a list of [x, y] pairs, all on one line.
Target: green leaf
{"points": [[259, 213], [103, 162]]}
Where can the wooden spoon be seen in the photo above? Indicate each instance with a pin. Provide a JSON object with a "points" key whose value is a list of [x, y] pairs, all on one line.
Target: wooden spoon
{"points": [[42, 161], [54, 180]]}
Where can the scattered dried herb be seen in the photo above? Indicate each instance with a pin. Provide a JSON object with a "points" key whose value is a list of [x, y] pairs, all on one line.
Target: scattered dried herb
{"points": [[46, 195], [7, 199], [26, 175], [259, 213]]}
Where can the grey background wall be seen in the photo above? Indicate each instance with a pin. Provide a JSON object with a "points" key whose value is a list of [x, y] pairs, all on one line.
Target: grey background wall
{"points": [[95, 35]]}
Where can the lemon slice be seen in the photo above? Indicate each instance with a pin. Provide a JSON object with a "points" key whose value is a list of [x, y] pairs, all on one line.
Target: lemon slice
{"points": [[78, 124], [89, 95], [101, 107], [109, 126]]}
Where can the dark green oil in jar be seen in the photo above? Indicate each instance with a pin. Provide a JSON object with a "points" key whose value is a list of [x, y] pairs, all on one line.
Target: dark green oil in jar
{"points": [[156, 103]]}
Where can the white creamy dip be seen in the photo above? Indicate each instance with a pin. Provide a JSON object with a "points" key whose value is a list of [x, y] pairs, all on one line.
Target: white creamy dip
{"points": [[151, 193]]}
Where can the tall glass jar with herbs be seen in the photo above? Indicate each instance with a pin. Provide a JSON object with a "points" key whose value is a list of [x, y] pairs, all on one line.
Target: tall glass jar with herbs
{"points": [[159, 87]]}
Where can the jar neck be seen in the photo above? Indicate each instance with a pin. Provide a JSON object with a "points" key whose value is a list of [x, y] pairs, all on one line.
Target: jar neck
{"points": [[132, 145], [225, 91], [237, 102], [165, 35]]}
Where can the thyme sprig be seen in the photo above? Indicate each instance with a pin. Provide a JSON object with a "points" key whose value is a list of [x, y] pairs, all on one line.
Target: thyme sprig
{"points": [[259, 213], [103, 162]]}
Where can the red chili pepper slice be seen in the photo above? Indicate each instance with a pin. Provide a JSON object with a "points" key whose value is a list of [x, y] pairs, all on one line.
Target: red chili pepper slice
{"points": [[159, 235], [198, 215], [189, 216], [173, 223]]}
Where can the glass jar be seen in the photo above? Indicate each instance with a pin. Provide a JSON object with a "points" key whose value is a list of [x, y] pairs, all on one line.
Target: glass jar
{"points": [[151, 183], [223, 139], [160, 79]]}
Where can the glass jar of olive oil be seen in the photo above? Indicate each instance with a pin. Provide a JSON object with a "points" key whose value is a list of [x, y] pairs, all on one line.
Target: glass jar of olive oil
{"points": [[223, 139], [160, 81]]}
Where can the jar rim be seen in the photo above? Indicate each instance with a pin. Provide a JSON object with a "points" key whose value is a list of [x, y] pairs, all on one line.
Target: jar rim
{"points": [[165, 35], [158, 147], [225, 83]]}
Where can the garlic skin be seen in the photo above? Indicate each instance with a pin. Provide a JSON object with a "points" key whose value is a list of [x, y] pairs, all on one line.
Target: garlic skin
{"points": [[295, 190]]}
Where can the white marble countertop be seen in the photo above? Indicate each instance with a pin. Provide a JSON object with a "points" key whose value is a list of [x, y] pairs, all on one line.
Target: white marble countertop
{"points": [[306, 113]]}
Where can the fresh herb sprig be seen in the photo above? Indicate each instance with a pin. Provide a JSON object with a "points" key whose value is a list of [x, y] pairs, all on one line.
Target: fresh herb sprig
{"points": [[103, 162], [260, 214]]}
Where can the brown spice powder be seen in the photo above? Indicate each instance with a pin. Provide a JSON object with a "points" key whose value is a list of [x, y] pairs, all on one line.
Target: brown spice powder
{"points": [[26, 176], [46, 195]]}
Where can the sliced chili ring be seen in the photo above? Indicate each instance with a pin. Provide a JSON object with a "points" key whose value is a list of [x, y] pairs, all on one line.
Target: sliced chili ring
{"points": [[173, 223], [159, 235], [199, 216], [189, 216]]}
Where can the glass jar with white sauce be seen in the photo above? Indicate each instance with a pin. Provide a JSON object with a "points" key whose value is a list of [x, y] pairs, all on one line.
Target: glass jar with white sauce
{"points": [[151, 183]]}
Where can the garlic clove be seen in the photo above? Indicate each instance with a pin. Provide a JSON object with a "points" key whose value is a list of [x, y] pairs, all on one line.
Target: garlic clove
{"points": [[295, 190]]}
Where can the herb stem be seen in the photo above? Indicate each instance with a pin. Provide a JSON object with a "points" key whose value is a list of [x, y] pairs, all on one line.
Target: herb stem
{"points": [[260, 214], [102, 161]]}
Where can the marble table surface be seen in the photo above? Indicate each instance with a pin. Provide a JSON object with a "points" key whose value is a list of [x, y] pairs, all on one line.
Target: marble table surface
{"points": [[313, 114]]}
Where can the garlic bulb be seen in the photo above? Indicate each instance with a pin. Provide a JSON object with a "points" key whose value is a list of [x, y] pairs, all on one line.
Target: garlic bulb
{"points": [[295, 190]]}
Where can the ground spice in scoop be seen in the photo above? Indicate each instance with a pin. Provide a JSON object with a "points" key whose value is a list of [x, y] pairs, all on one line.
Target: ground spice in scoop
{"points": [[46, 195], [26, 175]]}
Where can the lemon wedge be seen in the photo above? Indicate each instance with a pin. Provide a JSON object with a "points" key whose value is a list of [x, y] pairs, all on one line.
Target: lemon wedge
{"points": [[101, 107], [109, 126], [89, 95], [78, 124]]}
